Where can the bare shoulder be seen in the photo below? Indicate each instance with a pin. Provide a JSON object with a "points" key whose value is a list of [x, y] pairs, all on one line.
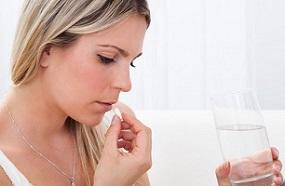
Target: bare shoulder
{"points": [[4, 180], [124, 108]]}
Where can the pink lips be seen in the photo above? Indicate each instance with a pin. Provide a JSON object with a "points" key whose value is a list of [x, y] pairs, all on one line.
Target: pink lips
{"points": [[106, 106]]}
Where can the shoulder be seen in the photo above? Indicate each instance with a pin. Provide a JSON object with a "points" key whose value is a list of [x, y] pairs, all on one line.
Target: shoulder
{"points": [[4, 180], [124, 108]]}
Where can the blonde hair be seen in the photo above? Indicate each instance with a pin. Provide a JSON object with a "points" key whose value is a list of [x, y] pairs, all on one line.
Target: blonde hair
{"points": [[45, 23]]}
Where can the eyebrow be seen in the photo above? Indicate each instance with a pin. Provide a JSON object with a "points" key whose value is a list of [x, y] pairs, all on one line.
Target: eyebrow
{"points": [[122, 51]]}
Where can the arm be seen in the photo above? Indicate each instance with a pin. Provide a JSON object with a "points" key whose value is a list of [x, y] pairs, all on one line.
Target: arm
{"points": [[142, 181]]}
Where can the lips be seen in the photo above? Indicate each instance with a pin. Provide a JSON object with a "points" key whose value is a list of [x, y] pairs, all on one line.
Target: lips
{"points": [[107, 106]]}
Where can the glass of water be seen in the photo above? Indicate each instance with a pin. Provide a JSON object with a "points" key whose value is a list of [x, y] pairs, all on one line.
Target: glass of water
{"points": [[243, 138]]}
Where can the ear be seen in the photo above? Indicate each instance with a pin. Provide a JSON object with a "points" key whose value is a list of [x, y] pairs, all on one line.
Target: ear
{"points": [[44, 60]]}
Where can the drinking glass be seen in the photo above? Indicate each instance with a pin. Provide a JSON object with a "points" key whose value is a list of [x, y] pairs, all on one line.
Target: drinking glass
{"points": [[243, 138]]}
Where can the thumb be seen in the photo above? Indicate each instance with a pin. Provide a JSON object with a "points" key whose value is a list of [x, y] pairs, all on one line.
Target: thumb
{"points": [[112, 133], [222, 174]]}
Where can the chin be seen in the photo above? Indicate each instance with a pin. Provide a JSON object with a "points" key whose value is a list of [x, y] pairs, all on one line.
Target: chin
{"points": [[93, 121]]}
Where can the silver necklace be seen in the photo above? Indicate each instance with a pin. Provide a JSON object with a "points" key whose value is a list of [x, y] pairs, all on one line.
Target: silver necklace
{"points": [[28, 143]]}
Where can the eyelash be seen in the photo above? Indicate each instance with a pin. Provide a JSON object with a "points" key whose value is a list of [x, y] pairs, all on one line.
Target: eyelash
{"points": [[132, 64], [107, 60]]}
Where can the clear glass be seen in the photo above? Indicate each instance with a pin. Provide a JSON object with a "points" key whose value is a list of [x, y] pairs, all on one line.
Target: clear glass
{"points": [[243, 138]]}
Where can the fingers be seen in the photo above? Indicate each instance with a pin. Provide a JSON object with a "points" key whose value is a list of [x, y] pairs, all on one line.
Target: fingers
{"points": [[127, 135], [126, 138], [125, 125], [125, 144], [277, 166], [275, 153], [112, 134], [277, 180], [142, 142], [133, 124], [222, 174]]}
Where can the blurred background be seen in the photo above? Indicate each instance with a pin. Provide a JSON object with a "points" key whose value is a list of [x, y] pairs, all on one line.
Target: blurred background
{"points": [[193, 48]]}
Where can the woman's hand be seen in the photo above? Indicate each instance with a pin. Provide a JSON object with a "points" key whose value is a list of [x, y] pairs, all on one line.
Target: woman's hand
{"points": [[124, 168], [223, 171]]}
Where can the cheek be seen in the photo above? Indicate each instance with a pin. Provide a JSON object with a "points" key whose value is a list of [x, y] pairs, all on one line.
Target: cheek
{"points": [[75, 87], [82, 74], [92, 79], [77, 82], [92, 85], [87, 87]]}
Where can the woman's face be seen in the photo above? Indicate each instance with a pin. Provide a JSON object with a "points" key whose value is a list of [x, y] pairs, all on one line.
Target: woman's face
{"points": [[86, 78]]}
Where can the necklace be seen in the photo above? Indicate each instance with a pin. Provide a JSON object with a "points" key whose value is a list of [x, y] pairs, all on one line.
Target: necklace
{"points": [[28, 143]]}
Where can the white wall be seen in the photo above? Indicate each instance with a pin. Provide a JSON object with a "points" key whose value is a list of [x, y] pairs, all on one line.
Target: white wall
{"points": [[193, 48], [266, 47], [9, 13]]}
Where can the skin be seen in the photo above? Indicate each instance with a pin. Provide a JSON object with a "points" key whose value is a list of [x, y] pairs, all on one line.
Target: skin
{"points": [[74, 81]]}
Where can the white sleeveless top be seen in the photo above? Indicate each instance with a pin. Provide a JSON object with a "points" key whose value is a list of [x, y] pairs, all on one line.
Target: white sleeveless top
{"points": [[15, 176]]}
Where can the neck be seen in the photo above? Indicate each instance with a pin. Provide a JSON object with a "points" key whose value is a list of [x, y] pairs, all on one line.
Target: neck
{"points": [[34, 113]]}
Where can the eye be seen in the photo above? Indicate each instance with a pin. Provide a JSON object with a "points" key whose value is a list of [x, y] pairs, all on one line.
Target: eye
{"points": [[132, 64], [105, 60]]}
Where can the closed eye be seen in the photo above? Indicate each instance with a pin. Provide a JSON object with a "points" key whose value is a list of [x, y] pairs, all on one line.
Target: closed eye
{"points": [[105, 60]]}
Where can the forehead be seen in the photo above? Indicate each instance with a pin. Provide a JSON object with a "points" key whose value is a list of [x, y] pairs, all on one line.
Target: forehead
{"points": [[127, 34]]}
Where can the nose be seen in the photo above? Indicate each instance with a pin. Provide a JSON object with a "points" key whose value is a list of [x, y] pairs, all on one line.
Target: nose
{"points": [[123, 80]]}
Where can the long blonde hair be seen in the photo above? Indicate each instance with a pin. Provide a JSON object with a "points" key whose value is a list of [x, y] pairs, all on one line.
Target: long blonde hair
{"points": [[44, 23]]}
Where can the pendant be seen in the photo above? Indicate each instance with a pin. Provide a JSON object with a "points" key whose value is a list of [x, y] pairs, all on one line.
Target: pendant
{"points": [[73, 182]]}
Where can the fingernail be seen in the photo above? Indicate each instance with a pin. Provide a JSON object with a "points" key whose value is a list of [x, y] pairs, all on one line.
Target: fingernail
{"points": [[277, 181], [116, 120], [227, 164], [276, 151]]}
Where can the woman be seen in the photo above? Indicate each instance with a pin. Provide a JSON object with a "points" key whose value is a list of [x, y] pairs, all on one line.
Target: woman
{"points": [[70, 62]]}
